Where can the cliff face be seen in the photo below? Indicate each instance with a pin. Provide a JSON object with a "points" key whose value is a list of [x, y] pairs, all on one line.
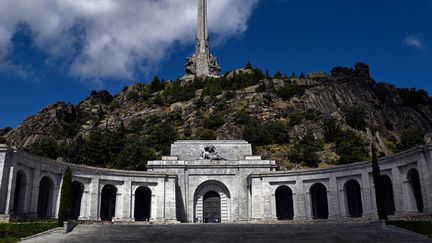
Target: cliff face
{"points": [[388, 109]]}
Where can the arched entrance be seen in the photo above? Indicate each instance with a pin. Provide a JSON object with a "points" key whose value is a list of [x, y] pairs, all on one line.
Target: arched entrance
{"points": [[212, 207], [142, 204], [414, 181], [45, 200], [212, 201], [354, 199], [284, 203], [319, 201], [76, 197], [108, 202], [388, 195], [20, 192]]}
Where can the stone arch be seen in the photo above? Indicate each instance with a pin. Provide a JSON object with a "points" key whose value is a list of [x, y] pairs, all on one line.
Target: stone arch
{"points": [[225, 199], [354, 199], [20, 192], [284, 203], [319, 201], [142, 211], [76, 198], [46, 197], [415, 186], [388, 195], [108, 202]]}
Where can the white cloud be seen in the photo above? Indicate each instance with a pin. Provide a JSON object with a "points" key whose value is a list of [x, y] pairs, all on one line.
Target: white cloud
{"points": [[414, 41], [99, 39]]}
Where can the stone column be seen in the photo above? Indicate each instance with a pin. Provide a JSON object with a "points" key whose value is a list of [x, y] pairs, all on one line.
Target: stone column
{"points": [[424, 169], [343, 203], [85, 202], [299, 201], [170, 200], [397, 190], [10, 191], [369, 210], [94, 199], [273, 208], [35, 192], [333, 199], [127, 200]]}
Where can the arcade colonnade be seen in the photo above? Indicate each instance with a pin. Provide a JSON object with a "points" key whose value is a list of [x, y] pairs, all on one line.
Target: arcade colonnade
{"points": [[214, 191]]}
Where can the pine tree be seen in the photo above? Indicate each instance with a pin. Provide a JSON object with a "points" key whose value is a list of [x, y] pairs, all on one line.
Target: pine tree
{"points": [[65, 197], [379, 191]]}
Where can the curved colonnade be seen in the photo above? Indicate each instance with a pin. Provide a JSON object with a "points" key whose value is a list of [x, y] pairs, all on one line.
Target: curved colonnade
{"points": [[208, 191]]}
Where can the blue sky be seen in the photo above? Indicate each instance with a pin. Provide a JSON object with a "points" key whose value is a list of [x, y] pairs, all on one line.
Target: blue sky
{"points": [[393, 37]]}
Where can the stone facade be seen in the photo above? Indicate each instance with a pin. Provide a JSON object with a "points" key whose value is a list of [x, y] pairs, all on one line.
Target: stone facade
{"points": [[244, 187]]}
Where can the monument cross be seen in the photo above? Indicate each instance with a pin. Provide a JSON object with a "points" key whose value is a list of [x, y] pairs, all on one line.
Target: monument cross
{"points": [[202, 63]]}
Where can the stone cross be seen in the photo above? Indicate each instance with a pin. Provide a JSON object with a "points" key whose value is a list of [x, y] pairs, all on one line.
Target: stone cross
{"points": [[202, 63]]}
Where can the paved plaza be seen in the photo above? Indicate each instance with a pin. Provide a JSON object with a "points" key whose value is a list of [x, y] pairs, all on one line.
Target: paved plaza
{"points": [[323, 232]]}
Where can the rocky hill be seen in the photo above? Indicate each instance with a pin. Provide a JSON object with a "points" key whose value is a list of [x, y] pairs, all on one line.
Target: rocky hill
{"points": [[318, 119]]}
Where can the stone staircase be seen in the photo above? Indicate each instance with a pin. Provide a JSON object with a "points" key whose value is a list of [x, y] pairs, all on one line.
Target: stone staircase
{"points": [[325, 232]]}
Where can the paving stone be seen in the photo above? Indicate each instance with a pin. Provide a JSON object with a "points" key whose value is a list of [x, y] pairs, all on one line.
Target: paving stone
{"points": [[326, 232]]}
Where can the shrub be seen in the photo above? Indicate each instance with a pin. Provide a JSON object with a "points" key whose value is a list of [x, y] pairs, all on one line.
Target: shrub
{"points": [[161, 136], [351, 148], [47, 147], [355, 117], [206, 134], [259, 133], [332, 131], [156, 85], [134, 156], [305, 151], [288, 91], [214, 121], [413, 97], [241, 118], [65, 197], [410, 138]]}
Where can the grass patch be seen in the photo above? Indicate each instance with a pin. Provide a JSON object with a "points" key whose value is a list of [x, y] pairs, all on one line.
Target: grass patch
{"points": [[13, 232], [421, 227]]}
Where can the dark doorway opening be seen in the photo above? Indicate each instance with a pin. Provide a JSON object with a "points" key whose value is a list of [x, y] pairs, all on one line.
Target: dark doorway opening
{"points": [[108, 202], [20, 191], [142, 204], [414, 180], [319, 201], [212, 207], [284, 203], [388, 195], [354, 199], [45, 200], [76, 197]]}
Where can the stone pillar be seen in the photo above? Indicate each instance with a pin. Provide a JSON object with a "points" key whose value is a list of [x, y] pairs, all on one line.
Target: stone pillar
{"points": [[299, 201], [343, 203], [273, 207], [424, 169], [35, 192], [170, 200], [93, 205], [85, 202], [257, 200], [397, 190], [10, 191], [127, 200], [369, 209], [333, 200], [3, 174]]}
